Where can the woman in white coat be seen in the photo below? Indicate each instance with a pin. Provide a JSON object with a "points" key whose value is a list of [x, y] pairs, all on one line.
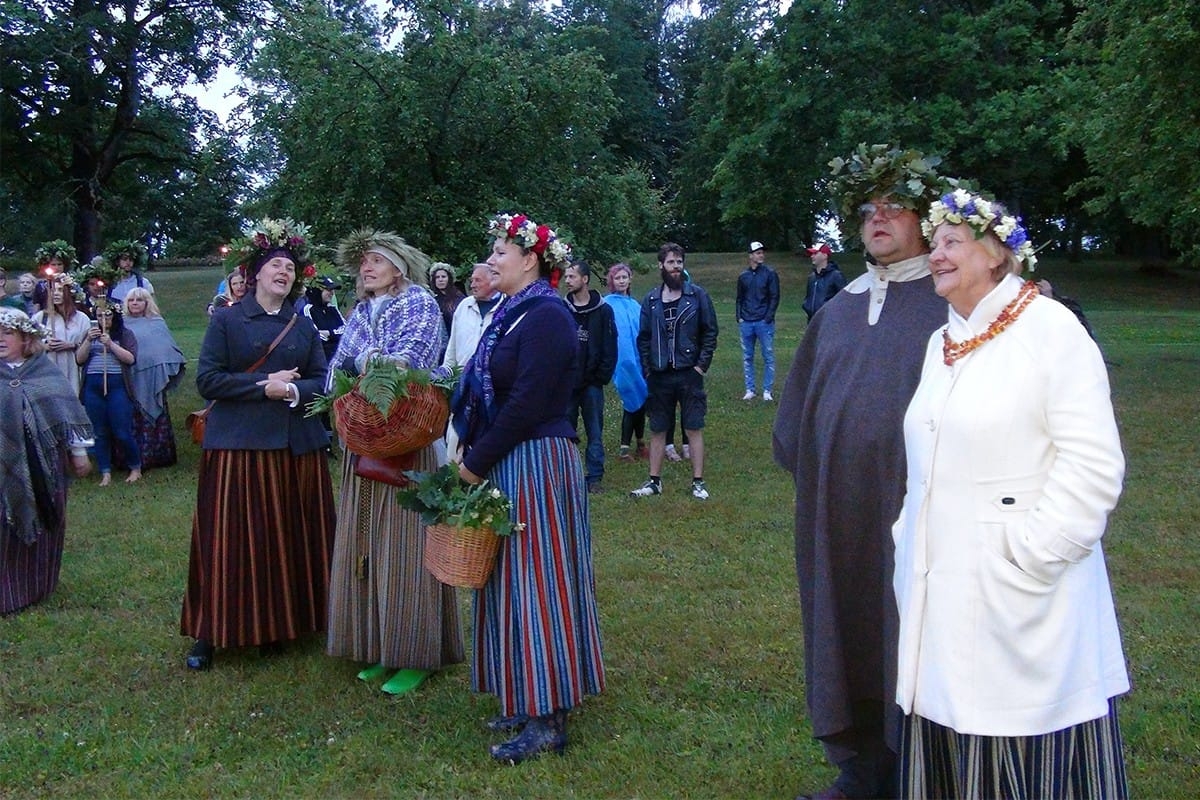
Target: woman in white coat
{"points": [[1009, 656]]}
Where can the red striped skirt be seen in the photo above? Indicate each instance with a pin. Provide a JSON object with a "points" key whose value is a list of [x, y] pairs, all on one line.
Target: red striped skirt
{"points": [[537, 631], [29, 572], [262, 536]]}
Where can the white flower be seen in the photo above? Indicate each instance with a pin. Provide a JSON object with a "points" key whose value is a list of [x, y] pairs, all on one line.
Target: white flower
{"points": [[1005, 228], [983, 208], [961, 197]]}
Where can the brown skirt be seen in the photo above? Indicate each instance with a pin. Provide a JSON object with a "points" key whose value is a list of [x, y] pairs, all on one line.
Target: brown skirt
{"points": [[384, 606], [262, 537]]}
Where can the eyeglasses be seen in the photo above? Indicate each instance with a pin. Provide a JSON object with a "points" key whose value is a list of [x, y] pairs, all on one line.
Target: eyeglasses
{"points": [[886, 210]]}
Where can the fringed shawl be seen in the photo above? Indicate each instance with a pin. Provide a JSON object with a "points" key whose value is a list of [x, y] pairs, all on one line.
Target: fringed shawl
{"points": [[39, 417], [159, 364]]}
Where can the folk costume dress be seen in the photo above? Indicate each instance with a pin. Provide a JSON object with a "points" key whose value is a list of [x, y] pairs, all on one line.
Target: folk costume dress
{"points": [[384, 606], [74, 330], [537, 635], [1009, 653], [262, 534], [41, 419], [839, 433], [159, 368]]}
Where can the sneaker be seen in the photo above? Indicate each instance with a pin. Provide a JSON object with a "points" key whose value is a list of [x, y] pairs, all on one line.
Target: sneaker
{"points": [[767, 397], [687, 451], [625, 454], [642, 451], [671, 454], [595, 488], [647, 489], [749, 395], [699, 490]]}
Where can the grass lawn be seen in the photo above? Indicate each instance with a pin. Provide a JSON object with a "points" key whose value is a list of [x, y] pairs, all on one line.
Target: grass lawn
{"points": [[698, 606]]}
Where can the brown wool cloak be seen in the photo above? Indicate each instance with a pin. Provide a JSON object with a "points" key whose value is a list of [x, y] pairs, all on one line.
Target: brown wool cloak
{"points": [[839, 432]]}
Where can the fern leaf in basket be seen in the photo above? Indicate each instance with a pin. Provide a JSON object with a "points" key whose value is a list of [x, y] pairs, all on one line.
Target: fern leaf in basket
{"points": [[384, 382], [343, 383]]}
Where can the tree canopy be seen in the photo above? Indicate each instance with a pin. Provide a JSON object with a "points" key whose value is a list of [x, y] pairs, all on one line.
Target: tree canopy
{"points": [[622, 123]]}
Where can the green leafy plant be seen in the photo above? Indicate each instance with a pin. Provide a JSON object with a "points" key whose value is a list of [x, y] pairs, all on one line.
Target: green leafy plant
{"points": [[442, 496], [382, 383]]}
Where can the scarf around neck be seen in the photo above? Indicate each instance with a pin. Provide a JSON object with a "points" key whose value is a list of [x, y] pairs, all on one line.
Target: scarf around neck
{"points": [[474, 401]]}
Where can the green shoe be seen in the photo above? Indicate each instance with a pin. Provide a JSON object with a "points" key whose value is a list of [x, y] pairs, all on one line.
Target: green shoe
{"points": [[374, 673], [406, 680]]}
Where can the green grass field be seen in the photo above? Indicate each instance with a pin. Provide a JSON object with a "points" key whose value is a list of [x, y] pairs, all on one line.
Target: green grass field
{"points": [[698, 604]]}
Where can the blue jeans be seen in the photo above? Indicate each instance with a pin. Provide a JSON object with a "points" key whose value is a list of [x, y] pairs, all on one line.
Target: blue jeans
{"points": [[112, 418], [764, 333], [590, 400]]}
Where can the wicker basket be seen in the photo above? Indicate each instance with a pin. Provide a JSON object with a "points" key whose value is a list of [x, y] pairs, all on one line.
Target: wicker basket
{"points": [[461, 557], [412, 422]]}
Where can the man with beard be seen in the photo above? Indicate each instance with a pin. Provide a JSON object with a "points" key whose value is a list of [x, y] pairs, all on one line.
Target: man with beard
{"points": [[839, 432], [676, 342]]}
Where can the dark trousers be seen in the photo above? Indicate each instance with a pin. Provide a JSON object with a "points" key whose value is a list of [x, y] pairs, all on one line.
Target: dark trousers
{"points": [[589, 401], [866, 765]]}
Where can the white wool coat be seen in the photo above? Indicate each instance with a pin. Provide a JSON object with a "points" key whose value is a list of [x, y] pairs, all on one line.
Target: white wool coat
{"points": [[1007, 625]]}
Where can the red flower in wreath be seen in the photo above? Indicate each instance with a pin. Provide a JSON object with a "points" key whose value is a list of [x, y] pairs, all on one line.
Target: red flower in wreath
{"points": [[543, 239], [310, 271], [514, 225]]}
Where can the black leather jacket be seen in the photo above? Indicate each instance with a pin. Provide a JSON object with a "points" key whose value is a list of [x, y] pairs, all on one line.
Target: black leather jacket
{"points": [[691, 343]]}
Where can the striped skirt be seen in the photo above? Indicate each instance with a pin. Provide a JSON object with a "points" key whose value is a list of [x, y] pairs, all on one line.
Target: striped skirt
{"points": [[261, 541], [384, 606], [1082, 761], [537, 632], [29, 572], [155, 438]]}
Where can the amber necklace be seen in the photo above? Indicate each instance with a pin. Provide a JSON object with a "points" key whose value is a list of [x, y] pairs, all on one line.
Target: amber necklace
{"points": [[952, 351]]}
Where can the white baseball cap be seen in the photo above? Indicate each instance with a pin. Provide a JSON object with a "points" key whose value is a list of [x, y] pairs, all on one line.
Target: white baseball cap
{"points": [[756, 246]]}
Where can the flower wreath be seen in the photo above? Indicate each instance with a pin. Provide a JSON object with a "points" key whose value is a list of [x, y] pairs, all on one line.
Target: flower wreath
{"points": [[271, 234], [14, 319], [906, 176], [57, 248], [541, 239], [127, 247], [98, 267], [963, 207]]}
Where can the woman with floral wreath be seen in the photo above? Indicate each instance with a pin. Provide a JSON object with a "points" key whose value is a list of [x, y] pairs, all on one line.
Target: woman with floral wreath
{"points": [[393, 615], [67, 327], [160, 367], [537, 634], [262, 532], [105, 358], [44, 431], [1010, 659], [51, 259]]}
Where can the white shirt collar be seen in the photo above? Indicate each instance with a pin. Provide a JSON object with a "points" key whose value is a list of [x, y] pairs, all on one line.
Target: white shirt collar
{"points": [[877, 278]]}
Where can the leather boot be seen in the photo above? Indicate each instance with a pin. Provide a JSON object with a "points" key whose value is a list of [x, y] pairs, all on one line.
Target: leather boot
{"points": [[546, 734]]}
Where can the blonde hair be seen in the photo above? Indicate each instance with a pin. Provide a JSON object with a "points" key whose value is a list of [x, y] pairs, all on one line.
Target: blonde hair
{"points": [[143, 294], [1009, 263]]}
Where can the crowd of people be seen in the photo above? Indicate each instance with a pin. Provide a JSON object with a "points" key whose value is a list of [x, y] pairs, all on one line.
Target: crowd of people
{"points": [[947, 427]]}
